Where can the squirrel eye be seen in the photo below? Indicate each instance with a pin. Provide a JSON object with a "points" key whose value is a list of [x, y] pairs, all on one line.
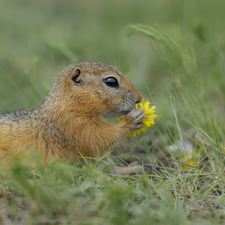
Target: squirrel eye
{"points": [[111, 81], [75, 77]]}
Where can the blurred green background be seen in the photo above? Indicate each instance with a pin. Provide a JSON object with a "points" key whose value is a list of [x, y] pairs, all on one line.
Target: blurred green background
{"points": [[39, 38], [180, 69], [179, 66]]}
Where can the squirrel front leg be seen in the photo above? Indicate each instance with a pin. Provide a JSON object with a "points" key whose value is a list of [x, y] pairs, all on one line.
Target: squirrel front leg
{"points": [[105, 136], [110, 134], [130, 122]]}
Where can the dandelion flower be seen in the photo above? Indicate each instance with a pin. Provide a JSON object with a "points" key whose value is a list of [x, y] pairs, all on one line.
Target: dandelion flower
{"points": [[147, 121]]}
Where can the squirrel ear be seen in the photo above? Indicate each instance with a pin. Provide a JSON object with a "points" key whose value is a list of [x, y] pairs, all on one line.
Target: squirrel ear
{"points": [[75, 77]]}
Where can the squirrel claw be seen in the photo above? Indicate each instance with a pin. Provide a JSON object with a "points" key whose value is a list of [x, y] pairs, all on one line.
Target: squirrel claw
{"points": [[136, 115]]}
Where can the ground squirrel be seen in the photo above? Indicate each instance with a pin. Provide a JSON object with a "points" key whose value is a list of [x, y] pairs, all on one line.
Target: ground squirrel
{"points": [[69, 122]]}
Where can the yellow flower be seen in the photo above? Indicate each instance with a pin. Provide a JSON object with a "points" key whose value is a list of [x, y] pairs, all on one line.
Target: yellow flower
{"points": [[147, 121], [189, 158]]}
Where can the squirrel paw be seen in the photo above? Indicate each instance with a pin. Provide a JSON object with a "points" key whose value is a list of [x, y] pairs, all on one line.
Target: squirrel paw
{"points": [[135, 117]]}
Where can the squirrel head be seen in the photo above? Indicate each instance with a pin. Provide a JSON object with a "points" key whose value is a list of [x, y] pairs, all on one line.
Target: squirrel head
{"points": [[94, 89]]}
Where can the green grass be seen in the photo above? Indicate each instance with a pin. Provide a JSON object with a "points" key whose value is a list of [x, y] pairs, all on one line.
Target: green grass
{"points": [[173, 52], [63, 193]]}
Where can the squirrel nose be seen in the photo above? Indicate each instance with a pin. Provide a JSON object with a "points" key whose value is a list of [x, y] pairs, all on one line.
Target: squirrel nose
{"points": [[139, 98]]}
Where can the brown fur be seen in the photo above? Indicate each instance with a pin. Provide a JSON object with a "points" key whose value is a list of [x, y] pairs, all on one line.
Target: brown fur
{"points": [[69, 122]]}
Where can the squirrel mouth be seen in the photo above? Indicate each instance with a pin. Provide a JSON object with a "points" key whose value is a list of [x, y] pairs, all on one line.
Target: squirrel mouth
{"points": [[123, 113], [116, 114]]}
